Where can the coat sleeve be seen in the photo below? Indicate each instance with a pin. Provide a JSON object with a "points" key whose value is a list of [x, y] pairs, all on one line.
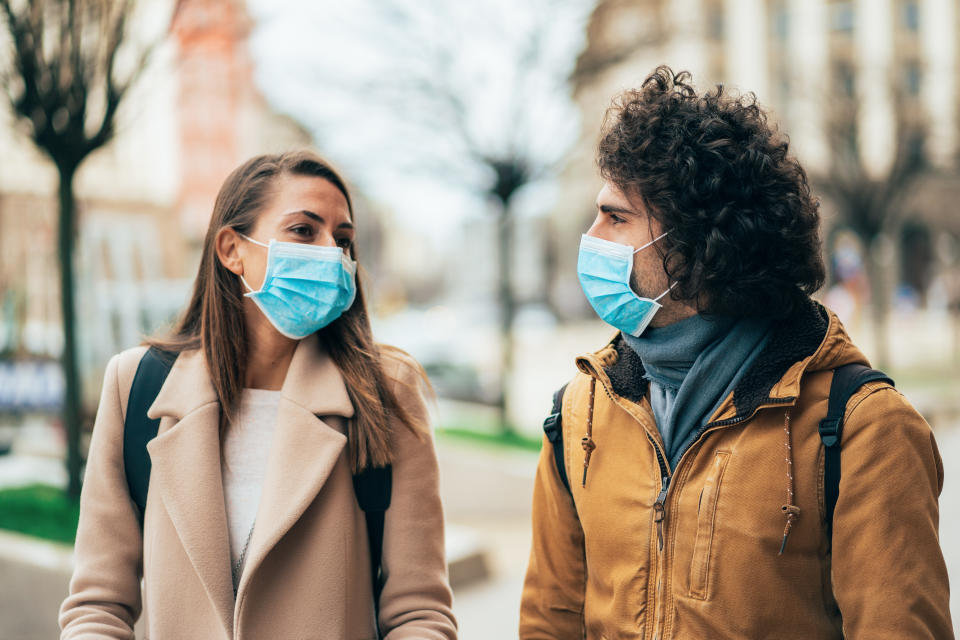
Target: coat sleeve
{"points": [[104, 598], [553, 592], [888, 573], [416, 601]]}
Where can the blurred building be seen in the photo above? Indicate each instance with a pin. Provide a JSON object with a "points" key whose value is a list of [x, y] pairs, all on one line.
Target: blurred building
{"points": [[898, 59], [144, 200]]}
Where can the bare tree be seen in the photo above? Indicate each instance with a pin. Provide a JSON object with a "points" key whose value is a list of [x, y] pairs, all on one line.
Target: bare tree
{"points": [[871, 205], [63, 85], [465, 87]]}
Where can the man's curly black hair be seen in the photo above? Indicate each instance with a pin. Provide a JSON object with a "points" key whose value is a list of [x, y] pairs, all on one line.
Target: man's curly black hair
{"points": [[744, 228]]}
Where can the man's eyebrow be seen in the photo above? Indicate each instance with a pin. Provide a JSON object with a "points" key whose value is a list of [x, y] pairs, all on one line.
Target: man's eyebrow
{"points": [[607, 208]]}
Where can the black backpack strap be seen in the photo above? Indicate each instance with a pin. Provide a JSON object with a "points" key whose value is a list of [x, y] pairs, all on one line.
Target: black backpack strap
{"points": [[846, 380], [373, 487], [138, 429], [553, 427]]}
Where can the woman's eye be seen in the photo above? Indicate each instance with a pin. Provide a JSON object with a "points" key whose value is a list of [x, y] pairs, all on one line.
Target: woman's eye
{"points": [[615, 219], [302, 230], [344, 243]]}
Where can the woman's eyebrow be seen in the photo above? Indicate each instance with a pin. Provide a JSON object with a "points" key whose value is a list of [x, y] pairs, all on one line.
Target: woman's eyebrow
{"points": [[310, 214]]}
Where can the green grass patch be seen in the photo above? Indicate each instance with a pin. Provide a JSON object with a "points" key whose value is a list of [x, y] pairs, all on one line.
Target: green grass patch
{"points": [[508, 439], [41, 511]]}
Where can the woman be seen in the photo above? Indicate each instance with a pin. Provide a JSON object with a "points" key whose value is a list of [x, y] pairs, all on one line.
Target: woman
{"points": [[278, 396]]}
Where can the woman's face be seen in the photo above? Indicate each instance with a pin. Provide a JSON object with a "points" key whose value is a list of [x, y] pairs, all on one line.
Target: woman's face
{"points": [[303, 209]]}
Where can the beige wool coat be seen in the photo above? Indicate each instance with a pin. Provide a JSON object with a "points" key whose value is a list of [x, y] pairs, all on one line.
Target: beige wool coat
{"points": [[307, 569]]}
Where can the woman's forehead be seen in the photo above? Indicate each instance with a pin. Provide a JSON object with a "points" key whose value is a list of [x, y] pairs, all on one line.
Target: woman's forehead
{"points": [[309, 196]]}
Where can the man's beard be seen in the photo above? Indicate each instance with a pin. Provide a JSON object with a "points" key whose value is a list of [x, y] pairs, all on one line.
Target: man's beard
{"points": [[635, 286]]}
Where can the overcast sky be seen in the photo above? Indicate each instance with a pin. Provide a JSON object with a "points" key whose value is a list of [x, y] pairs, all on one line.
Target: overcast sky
{"points": [[327, 64]]}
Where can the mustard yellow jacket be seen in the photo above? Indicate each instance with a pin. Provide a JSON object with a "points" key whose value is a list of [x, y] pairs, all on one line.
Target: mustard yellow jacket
{"points": [[621, 558]]}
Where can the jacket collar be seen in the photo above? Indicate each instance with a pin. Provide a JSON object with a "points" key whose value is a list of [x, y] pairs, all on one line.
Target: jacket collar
{"points": [[812, 338], [186, 471]]}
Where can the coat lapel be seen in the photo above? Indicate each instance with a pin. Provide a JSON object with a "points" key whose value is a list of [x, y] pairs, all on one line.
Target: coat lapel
{"points": [[185, 458], [304, 451]]}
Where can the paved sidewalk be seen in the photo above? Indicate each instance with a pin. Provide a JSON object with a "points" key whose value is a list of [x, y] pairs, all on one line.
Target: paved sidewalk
{"points": [[949, 443]]}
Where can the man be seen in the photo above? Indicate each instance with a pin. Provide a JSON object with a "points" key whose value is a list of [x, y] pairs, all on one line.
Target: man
{"points": [[690, 442]]}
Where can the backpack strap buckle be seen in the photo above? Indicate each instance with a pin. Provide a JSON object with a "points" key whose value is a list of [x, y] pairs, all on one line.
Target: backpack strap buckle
{"points": [[830, 431], [552, 427]]}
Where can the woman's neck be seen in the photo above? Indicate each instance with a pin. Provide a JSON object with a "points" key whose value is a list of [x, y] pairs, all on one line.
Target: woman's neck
{"points": [[268, 354]]}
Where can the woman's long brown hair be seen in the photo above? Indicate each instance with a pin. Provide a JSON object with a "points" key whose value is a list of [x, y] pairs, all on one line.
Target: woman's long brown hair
{"points": [[214, 318]]}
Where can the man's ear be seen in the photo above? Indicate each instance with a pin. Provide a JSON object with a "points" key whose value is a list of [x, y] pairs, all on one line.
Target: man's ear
{"points": [[227, 244]]}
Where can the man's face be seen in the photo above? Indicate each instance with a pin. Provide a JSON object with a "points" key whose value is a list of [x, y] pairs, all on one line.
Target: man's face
{"points": [[625, 220]]}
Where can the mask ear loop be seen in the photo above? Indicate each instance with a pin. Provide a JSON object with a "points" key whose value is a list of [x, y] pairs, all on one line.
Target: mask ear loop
{"points": [[242, 279], [669, 289], [652, 241], [243, 235], [247, 285]]}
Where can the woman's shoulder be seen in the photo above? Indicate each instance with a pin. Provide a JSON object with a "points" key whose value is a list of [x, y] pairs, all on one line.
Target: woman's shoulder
{"points": [[400, 366], [123, 367], [130, 357]]}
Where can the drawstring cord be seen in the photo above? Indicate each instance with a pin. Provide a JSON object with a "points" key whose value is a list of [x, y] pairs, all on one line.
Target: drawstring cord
{"points": [[587, 441], [791, 510]]}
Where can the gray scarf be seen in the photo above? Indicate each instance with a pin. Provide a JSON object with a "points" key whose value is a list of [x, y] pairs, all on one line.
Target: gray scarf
{"points": [[692, 366]]}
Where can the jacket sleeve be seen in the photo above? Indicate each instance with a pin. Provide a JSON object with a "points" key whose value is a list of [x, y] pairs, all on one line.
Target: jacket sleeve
{"points": [[104, 598], [416, 601], [888, 572], [553, 592]]}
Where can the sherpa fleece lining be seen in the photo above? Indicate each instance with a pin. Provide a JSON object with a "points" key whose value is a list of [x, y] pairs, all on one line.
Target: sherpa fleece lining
{"points": [[796, 338]]}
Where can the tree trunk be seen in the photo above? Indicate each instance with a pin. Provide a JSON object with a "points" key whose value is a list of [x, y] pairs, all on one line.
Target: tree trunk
{"points": [[71, 401], [507, 309]]}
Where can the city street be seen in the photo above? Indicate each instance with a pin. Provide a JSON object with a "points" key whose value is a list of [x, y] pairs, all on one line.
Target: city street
{"points": [[253, 177]]}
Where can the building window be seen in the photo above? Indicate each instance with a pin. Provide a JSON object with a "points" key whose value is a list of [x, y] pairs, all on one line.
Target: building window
{"points": [[845, 79], [911, 15], [912, 79], [842, 17], [915, 149], [783, 85], [715, 22], [780, 20]]}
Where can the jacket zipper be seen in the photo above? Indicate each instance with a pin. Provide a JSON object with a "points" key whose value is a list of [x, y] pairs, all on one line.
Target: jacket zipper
{"points": [[659, 515], [660, 506]]}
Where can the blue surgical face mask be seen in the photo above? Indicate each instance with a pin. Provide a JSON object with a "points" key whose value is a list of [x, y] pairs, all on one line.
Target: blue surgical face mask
{"points": [[305, 288], [604, 269]]}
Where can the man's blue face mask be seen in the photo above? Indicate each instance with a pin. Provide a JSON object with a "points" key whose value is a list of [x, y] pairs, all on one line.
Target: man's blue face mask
{"points": [[604, 269], [305, 288]]}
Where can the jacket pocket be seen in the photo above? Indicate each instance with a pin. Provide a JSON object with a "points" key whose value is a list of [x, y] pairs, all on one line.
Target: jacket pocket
{"points": [[700, 563]]}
